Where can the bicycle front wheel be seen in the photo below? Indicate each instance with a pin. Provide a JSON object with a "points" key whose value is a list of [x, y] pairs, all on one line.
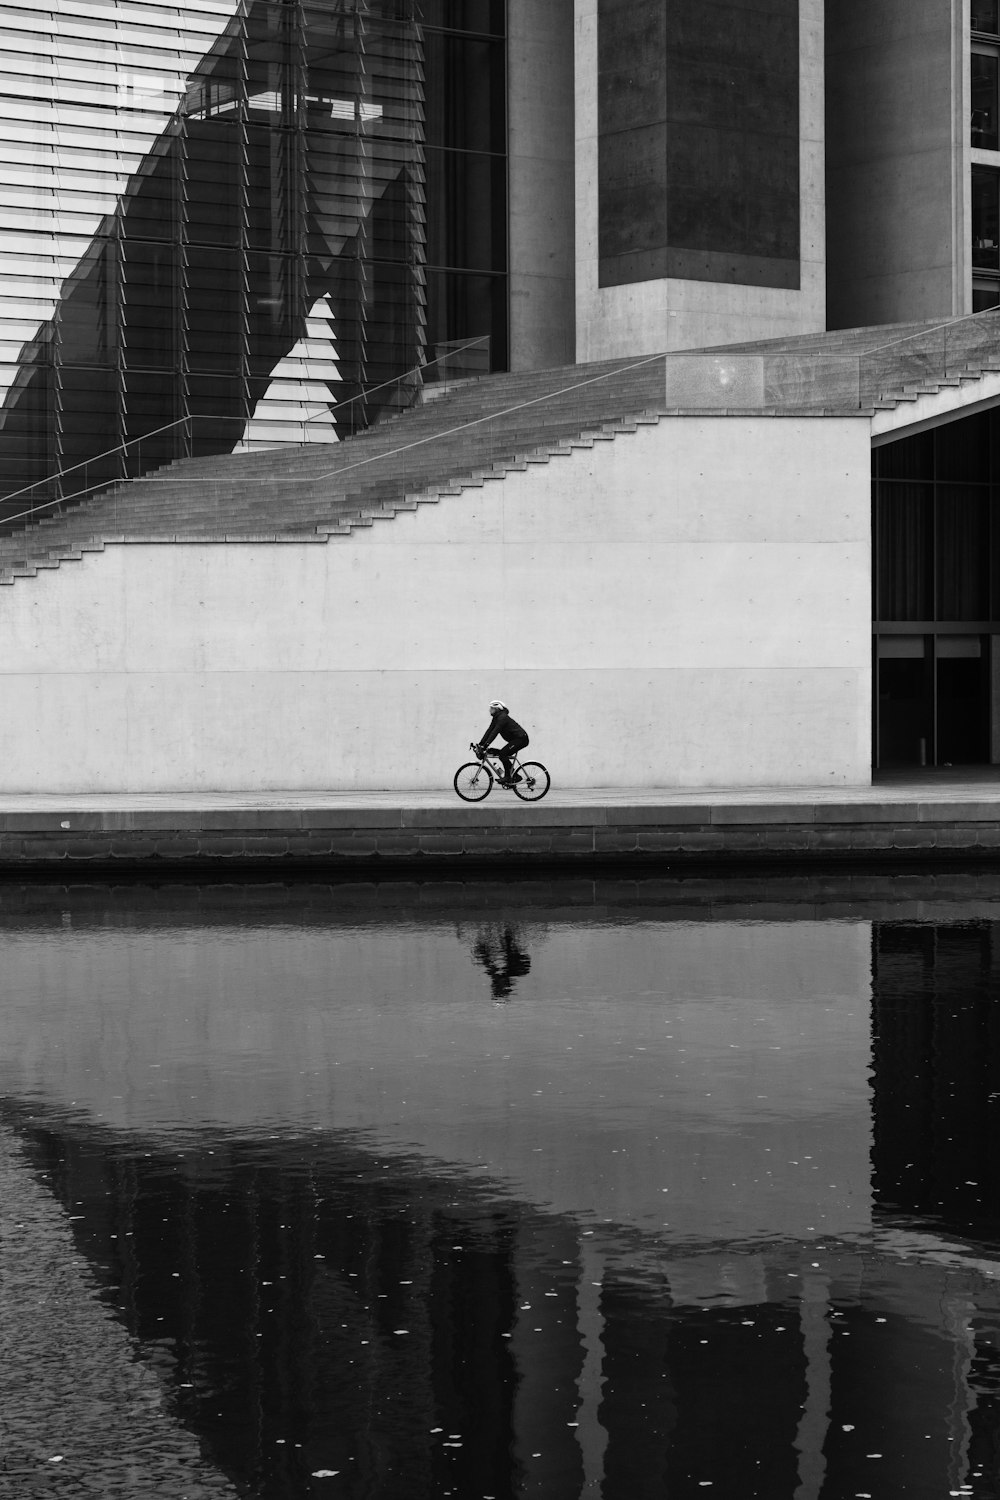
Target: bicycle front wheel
{"points": [[534, 782], [473, 781]]}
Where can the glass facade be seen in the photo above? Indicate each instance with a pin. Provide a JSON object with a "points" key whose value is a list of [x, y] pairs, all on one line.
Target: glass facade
{"points": [[936, 589], [231, 222], [984, 137]]}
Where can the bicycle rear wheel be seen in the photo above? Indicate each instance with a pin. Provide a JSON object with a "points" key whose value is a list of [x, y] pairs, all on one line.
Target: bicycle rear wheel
{"points": [[473, 781], [534, 782]]}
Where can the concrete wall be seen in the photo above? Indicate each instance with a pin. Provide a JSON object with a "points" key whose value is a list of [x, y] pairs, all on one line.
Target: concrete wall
{"points": [[540, 183], [686, 606], [897, 162], [649, 316]]}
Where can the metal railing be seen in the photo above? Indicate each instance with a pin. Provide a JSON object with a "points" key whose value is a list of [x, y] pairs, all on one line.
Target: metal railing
{"points": [[124, 463], [488, 422], [448, 369], [783, 380], [109, 468]]}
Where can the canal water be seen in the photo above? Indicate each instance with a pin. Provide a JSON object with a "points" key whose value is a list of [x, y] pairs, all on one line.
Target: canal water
{"points": [[555, 1189]]}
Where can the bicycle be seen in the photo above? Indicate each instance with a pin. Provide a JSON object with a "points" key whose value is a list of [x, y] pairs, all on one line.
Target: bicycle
{"points": [[475, 779]]}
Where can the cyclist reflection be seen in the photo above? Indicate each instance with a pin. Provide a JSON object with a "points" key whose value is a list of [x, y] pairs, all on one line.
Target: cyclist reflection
{"points": [[498, 949]]}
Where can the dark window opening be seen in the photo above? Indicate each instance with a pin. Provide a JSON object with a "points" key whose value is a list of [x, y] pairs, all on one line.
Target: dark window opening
{"points": [[986, 218], [984, 100], [985, 16], [936, 595]]}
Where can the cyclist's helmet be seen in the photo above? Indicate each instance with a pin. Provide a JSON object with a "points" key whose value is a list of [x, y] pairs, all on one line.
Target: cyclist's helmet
{"points": [[497, 703]]}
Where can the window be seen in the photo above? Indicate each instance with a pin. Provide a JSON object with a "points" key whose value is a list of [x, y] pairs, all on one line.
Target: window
{"points": [[985, 218], [985, 16], [985, 70]]}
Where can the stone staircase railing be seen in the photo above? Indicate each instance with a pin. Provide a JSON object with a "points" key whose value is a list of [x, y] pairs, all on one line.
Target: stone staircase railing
{"points": [[860, 369]]}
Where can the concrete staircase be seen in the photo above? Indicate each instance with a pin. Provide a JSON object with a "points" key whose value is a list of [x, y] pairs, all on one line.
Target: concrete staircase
{"points": [[478, 432]]}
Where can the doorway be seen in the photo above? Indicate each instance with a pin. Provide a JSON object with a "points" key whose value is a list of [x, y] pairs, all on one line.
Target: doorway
{"points": [[933, 700]]}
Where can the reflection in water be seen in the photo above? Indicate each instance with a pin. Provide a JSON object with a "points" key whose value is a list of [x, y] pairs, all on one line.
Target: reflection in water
{"points": [[713, 1207], [501, 950]]}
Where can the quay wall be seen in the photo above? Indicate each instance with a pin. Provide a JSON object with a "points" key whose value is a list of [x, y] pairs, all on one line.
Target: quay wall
{"points": [[685, 606], [494, 839]]}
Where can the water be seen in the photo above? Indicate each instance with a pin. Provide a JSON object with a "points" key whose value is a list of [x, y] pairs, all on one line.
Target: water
{"points": [[645, 1189]]}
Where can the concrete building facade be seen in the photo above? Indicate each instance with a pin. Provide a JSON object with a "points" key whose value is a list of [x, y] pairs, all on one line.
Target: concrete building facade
{"points": [[251, 224]]}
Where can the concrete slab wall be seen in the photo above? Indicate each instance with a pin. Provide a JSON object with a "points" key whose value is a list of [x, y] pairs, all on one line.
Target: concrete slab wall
{"points": [[650, 316], [686, 606], [540, 183], [897, 160]]}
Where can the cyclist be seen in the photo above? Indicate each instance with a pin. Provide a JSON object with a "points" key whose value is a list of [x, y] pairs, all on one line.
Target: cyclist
{"points": [[516, 737]]}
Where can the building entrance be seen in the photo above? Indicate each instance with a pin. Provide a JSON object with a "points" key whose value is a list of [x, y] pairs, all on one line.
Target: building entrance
{"points": [[936, 587], [933, 700]]}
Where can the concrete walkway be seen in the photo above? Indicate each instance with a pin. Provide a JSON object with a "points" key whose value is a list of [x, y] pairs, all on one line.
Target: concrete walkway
{"points": [[931, 815], [959, 786]]}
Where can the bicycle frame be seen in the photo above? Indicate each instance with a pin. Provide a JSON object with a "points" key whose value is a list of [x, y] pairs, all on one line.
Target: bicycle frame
{"points": [[491, 758]]}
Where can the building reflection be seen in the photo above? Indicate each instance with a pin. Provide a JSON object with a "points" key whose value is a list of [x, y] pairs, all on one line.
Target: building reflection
{"points": [[313, 1301], [936, 1074], [311, 1306]]}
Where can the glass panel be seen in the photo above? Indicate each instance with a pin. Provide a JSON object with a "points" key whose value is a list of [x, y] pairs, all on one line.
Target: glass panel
{"points": [[909, 458], [88, 322], [985, 297], [466, 107], [985, 218], [465, 15], [904, 711], [904, 515], [466, 210], [463, 307], [28, 451], [985, 16], [215, 323], [962, 450], [213, 171], [962, 737], [218, 408], [963, 536], [984, 101], [271, 211], [89, 424], [150, 275]]}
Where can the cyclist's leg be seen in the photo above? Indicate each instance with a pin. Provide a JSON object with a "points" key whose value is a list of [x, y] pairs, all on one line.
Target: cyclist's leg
{"points": [[508, 752]]}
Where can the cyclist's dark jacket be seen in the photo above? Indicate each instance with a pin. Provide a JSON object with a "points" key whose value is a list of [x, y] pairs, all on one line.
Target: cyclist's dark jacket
{"points": [[502, 723]]}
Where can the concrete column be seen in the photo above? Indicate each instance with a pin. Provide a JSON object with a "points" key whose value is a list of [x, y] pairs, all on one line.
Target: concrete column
{"points": [[897, 161], [540, 183]]}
